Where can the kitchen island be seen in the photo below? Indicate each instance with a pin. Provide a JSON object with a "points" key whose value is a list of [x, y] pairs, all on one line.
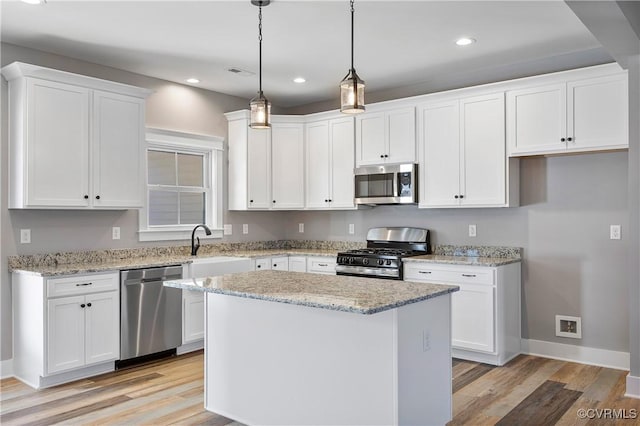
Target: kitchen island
{"points": [[296, 348]]}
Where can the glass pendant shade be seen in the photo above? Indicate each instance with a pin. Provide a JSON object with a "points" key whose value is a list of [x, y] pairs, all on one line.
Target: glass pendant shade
{"points": [[352, 93], [260, 112]]}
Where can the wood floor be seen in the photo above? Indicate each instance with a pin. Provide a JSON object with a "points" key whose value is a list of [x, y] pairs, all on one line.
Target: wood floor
{"points": [[527, 391]]}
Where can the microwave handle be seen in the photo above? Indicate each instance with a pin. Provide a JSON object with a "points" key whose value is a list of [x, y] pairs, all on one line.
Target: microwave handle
{"points": [[396, 184]]}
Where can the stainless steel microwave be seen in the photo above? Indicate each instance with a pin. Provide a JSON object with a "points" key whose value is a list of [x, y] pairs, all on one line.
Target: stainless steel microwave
{"points": [[388, 184]]}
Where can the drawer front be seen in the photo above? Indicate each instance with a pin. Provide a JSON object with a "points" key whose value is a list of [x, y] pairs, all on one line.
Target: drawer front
{"points": [[263, 264], [82, 284], [280, 263], [321, 265], [426, 273]]}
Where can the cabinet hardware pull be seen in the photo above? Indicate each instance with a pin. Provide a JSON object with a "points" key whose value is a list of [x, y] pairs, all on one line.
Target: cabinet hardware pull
{"points": [[97, 197], [88, 305], [381, 156], [82, 306], [86, 197], [424, 272], [456, 196], [562, 139], [330, 200], [569, 139], [322, 264], [469, 275], [274, 201], [275, 265], [258, 266], [386, 156], [83, 284], [251, 201], [461, 196]]}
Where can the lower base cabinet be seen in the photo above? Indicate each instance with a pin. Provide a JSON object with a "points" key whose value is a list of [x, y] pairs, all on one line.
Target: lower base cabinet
{"points": [[485, 312], [192, 316], [65, 328]]}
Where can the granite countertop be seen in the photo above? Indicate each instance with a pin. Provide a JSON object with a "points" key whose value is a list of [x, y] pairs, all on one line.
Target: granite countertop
{"points": [[336, 292], [462, 260]]}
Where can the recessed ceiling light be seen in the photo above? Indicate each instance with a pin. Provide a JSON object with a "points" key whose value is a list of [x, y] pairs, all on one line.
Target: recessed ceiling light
{"points": [[193, 80], [465, 41], [299, 80], [34, 1]]}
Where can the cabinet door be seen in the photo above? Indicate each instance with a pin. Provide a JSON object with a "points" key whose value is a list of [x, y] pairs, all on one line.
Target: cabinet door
{"points": [[280, 263], [318, 165], [102, 331], [441, 171], [598, 113], [263, 264], [287, 166], [192, 316], [58, 145], [117, 150], [401, 131], [298, 264], [342, 163], [259, 168], [537, 119], [483, 152], [65, 333], [371, 140], [472, 317]]}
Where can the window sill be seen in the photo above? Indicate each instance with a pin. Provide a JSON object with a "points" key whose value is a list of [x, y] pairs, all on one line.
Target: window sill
{"points": [[174, 235]]}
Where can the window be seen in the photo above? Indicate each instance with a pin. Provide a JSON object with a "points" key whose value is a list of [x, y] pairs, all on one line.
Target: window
{"points": [[184, 185]]}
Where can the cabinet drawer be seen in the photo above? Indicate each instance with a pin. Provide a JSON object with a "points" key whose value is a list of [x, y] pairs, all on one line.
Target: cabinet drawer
{"points": [[320, 265], [263, 264], [463, 275], [280, 263], [82, 284]]}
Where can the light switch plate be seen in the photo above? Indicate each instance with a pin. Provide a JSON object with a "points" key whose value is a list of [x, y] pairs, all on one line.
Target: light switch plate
{"points": [[472, 230], [352, 228], [115, 233], [245, 228], [301, 228], [25, 236], [228, 229], [614, 232]]}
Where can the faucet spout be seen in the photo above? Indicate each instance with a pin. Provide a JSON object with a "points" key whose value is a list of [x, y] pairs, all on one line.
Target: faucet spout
{"points": [[195, 246]]}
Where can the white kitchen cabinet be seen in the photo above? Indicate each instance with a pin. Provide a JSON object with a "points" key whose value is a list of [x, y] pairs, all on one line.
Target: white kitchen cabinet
{"points": [[192, 316], [575, 114], [75, 142], [298, 263], [261, 264], [280, 263], [464, 154], [321, 265], [65, 328], [266, 166], [329, 164], [386, 137], [485, 311]]}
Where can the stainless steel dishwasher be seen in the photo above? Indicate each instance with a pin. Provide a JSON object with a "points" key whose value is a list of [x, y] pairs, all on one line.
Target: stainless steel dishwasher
{"points": [[150, 314]]}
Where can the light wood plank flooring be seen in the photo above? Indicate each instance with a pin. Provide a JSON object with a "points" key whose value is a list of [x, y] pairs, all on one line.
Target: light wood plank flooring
{"points": [[527, 391]]}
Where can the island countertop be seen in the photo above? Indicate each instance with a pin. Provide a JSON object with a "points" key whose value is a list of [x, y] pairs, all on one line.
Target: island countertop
{"points": [[335, 292]]}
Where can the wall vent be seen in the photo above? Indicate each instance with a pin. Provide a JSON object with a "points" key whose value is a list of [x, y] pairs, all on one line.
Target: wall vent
{"points": [[569, 326], [240, 71]]}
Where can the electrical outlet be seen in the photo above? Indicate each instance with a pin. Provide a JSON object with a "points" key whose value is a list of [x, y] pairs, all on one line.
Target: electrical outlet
{"points": [[614, 232], [352, 229], [228, 229], [25, 236], [301, 228], [472, 230], [245, 228], [115, 233], [426, 341]]}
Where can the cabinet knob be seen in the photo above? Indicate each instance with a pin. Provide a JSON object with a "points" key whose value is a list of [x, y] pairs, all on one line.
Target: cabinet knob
{"points": [[326, 201], [461, 196], [86, 197], [275, 265], [88, 305], [562, 139], [456, 197], [258, 266], [251, 201], [569, 139], [330, 200], [274, 201], [381, 155], [386, 156], [97, 197], [82, 306]]}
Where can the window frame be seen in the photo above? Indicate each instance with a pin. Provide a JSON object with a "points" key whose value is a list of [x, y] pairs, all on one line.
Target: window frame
{"points": [[212, 147]]}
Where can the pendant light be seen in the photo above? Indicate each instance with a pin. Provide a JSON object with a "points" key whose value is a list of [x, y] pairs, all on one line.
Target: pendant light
{"points": [[260, 106], [352, 86]]}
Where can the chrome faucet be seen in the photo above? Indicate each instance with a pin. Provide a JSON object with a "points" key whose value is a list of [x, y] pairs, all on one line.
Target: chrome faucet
{"points": [[195, 246]]}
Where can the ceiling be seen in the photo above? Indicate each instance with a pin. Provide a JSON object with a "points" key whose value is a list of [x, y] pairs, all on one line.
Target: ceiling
{"points": [[397, 43]]}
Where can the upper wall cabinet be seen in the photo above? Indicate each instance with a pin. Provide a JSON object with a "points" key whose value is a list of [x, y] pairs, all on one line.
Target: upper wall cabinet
{"points": [[329, 166], [266, 166], [465, 162], [386, 137], [578, 112], [75, 142]]}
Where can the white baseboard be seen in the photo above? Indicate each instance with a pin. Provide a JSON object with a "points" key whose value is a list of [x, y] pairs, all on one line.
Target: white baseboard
{"points": [[633, 387], [580, 354], [6, 368]]}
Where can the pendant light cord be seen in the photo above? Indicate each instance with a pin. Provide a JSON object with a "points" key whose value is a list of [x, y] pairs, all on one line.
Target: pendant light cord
{"points": [[260, 43], [351, 34]]}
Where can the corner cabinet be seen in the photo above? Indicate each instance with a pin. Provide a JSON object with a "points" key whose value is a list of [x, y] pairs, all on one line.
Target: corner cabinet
{"points": [[485, 312], [464, 154], [266, 166], [75, 142], [65, 328], [578, 112], [387, 136], [329, 164]]}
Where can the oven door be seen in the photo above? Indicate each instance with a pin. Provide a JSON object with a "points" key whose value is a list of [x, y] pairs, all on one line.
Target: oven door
{"points": [[392, 184], [363, 271]]}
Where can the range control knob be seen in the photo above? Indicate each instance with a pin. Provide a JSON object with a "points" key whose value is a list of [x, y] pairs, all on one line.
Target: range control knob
{"points": [[388, 261], [380, 261], [365, 261]]}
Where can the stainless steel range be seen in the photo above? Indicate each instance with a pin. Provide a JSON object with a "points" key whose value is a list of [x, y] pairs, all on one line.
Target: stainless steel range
{"points": [[386, 247]]}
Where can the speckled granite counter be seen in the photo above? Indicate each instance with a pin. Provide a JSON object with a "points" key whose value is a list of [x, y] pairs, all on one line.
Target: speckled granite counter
{"points": [[339, 293]]}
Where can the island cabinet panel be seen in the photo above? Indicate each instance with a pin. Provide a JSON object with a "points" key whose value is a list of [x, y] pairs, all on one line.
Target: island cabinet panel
{"points": [[320, 366], [485, 311], [76, 142], [387, 136], [581, 111], [63, 329]]}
